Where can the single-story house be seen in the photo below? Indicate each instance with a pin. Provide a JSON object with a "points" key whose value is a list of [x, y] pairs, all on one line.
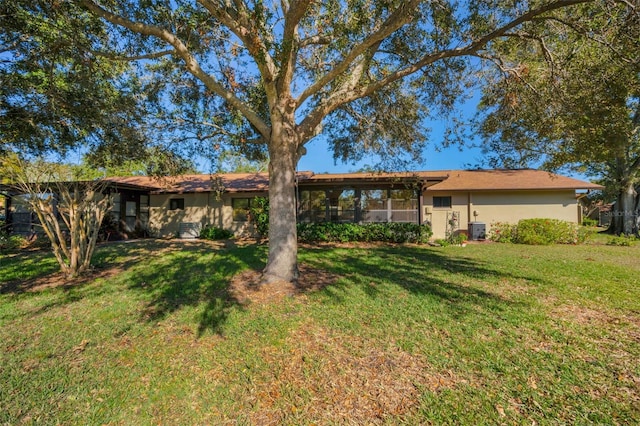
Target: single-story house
{"points": [[449, 200]]}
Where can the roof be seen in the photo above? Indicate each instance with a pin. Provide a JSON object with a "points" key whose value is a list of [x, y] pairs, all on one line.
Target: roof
{"points": [[228, 182], [521, 179], [441, 180], [374, 176]]}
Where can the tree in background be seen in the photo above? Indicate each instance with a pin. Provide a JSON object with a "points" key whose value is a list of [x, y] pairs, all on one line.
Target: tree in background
{"points": [[69, 209], [572, 99], [268, 77], [56, 94]]}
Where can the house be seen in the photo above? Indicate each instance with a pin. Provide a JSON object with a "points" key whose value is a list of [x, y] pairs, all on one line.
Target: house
{"points": [[451, 201]]}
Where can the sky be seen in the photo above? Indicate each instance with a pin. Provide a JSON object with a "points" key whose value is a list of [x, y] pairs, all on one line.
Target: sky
{"points": [[319, 158]]}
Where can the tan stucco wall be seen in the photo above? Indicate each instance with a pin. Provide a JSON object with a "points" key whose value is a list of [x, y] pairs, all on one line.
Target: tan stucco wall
{"points": [[502, 206], [202, 208]]}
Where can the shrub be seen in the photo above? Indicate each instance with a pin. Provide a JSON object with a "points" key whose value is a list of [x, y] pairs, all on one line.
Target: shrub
{"points": [[457, 239], [351, 232], [540, 232], [622, 240], [503, 232], [260, 215], [213, 233], [589, 222], [12, 242]]}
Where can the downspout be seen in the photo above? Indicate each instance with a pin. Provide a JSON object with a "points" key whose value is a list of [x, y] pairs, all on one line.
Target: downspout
{"points": [[420, 207], [469, 208], [579, 206]]}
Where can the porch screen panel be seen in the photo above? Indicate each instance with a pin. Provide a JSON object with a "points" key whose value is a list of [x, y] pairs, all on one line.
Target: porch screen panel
{"points": [[374, 205], [403, 205], [313, 206], [342, 207]]}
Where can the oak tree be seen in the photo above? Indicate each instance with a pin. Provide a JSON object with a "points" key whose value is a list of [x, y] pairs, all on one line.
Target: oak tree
{"points": [[268, 77]]}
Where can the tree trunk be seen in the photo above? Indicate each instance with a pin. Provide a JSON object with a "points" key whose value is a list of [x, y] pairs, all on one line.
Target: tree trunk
{"points": [[282, 264], [624, 213]]}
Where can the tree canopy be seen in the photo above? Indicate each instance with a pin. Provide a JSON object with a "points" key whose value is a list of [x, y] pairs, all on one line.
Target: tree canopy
{"points": [[55, 93], [573, 100]]}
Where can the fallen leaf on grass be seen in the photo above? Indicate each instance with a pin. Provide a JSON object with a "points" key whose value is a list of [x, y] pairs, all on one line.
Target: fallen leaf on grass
{"points": [[81, 347]]}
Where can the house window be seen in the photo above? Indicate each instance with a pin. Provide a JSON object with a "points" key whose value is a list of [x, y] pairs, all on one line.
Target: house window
{"points": [[144, 209], [176, 204], [444, 202], [240, 207], [115, 209]]}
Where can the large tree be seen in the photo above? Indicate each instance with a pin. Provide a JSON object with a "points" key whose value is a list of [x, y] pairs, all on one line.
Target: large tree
{"points": [[572, 100], [56, 94], [270, 76]]}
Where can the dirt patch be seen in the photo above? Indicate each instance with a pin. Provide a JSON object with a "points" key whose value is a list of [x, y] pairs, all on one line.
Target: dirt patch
{"points": [[588, 316], [336, 379], [246, 287]]}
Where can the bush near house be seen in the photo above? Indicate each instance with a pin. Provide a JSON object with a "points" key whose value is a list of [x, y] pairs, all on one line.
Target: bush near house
{"points": [[352, 232], [622, 240], [540, 232], [260, 215], [503, 232], [213, 233]]}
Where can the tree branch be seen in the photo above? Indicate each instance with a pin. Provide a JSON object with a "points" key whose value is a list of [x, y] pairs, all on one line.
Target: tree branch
{"points": [[240, 24], [309, 125], [116, 57], [191, 64], [395, 21], [290, 43]]}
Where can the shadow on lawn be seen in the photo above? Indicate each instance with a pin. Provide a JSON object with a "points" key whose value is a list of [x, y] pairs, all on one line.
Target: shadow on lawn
{"points": [[169, 275], [434, 273], [174, 274], [193, 273]]}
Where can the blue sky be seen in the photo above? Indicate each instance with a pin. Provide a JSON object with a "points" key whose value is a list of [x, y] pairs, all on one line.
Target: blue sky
{"points": [[319, 158]]}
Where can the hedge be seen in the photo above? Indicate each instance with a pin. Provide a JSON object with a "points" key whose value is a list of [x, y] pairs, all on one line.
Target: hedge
{"points": [[391, 232], [540, 232]]}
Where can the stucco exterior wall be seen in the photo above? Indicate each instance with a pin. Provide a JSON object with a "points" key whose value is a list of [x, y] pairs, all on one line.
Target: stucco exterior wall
{"points": [[500, 206], [200, 208], [439, 216]]}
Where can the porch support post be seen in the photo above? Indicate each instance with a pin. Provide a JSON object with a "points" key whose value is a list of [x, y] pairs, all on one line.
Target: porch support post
{"points": [[420, 208]]}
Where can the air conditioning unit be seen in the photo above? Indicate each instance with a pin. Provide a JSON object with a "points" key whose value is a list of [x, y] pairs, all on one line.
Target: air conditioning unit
{"points": [[189, 229]]}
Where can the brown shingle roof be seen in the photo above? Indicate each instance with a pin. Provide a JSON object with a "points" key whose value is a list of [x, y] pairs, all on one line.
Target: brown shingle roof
{"points": [[229, 182], [523, 179], [447, 180]]}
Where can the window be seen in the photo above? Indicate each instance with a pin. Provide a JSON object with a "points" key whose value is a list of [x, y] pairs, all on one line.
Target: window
{"points": [[444, 202], [115, 209], [240, 208], [176, 204], [144, 209]]}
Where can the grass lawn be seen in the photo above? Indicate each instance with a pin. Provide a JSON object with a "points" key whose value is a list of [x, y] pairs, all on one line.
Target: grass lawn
{"points": [[172, 332]]}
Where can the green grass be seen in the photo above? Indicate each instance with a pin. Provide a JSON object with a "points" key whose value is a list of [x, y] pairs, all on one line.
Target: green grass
{"points": [[486, 334]]}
